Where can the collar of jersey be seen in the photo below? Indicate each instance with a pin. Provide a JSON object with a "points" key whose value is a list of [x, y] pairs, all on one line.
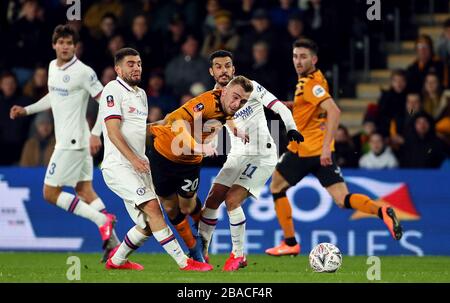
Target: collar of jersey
{"points": [[125, 85], [65, 66]]}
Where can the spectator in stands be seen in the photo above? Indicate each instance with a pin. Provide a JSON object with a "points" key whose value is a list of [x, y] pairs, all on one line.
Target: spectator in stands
{"points": [[188, 9], [295, 30], [39, 148], [380, 156], [94, 15], [25, 42], [158, 95], [107, 58], [321, 19], [36, 87], [280, 14], [223, 37], [422, 148], [108, 74], [101, 39], [443, 45], [243, 14], [174, 38], [212, 8], [185, 98], [361, 139], [261, 30], [146, 43], [391, 105], [425, 63], [432, 95], [187, 68], [344, 148], [263, 70], [154, 114], [400, 125], [13, 133]]}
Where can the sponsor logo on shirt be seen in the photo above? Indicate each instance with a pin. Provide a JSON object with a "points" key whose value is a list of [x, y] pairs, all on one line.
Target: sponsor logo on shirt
{"points": [[134, 110], [244, 112], [110, 101], [318, 91], [60, 91]]}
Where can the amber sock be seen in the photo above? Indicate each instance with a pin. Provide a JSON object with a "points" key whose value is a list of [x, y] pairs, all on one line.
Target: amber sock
{"points": [[185, 231], [362, 203], [284, 214]]}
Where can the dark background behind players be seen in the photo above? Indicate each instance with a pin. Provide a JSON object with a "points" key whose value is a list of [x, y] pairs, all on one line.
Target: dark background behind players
{"points": [[259, 32]]}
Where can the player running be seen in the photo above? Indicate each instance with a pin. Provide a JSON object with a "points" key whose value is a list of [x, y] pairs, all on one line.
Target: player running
{"points": [[125, 167], [175, 169], [70, 83], [317, 117], [248, 165]]}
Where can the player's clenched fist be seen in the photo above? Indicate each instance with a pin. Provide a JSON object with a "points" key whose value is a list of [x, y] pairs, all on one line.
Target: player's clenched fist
{"points": [[17, 112]]}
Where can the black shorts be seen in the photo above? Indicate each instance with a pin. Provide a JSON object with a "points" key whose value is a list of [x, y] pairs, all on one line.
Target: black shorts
{"points": [[294, 168], [170, 177]]}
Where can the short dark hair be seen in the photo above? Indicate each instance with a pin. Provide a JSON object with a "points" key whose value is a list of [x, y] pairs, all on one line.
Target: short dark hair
{"points": [[123, 52], [219, 54], [64, 31], [306, 43]]}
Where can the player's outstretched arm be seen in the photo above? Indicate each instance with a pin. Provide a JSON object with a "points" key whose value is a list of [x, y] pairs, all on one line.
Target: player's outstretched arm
{"points": [[286, 115], [116, 137], [333, 116], [39, 106]]}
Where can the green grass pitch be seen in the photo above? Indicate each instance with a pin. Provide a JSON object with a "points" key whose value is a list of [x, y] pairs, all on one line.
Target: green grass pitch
{"points": [[52, 267]]}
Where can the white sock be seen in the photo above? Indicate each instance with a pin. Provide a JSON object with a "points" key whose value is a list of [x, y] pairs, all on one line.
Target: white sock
{"points": [[80, 208], [132, 241], [168, 241], [99, 206], [206, 227], [237, 230]]}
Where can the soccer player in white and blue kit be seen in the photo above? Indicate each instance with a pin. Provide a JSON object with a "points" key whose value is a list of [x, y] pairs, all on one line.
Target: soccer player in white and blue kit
{"points": [[125, 167], [70, 83], [249, 164]]}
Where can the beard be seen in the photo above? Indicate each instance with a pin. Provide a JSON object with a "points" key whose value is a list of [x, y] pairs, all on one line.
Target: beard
{"points": [[223, 82], [132, 82]]}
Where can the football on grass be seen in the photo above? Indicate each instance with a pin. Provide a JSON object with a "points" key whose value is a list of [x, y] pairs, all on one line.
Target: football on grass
{"points": [[325, 257]]}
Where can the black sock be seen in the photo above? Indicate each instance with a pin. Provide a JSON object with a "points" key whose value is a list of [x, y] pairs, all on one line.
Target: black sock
{"points": [[290, 241], [380, 213]]}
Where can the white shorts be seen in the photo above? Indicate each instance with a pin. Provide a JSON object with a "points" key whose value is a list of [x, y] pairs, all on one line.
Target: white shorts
{"points": [[250, 172], [67, 167], [132, 187]]}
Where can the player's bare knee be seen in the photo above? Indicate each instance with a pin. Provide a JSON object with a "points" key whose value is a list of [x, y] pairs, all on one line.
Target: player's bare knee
{"points": [[187, 208], [51, 194], [151, 209], [233, 201]]}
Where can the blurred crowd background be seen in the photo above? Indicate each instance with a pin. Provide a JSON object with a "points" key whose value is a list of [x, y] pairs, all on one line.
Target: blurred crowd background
{"points": [[406, 125]]}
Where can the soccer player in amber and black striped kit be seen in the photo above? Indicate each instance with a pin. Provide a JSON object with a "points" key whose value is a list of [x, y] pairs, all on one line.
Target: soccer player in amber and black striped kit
{"points": [[317, 118]]}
